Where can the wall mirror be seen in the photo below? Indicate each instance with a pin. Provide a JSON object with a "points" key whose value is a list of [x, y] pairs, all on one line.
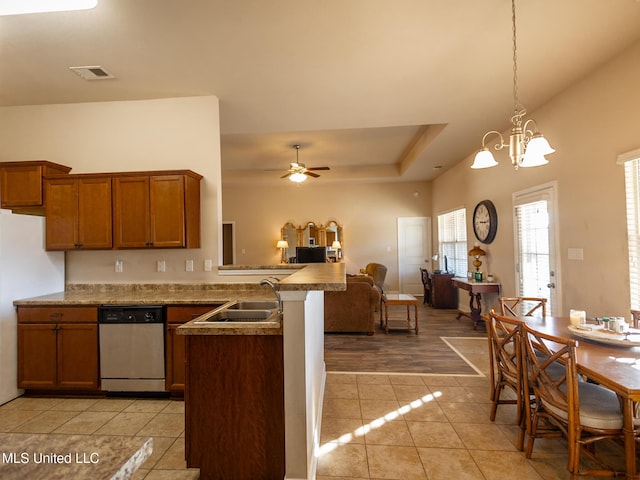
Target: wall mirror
{"points": [[314, 234]]}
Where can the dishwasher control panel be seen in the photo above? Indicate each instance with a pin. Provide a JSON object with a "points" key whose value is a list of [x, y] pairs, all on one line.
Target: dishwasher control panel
{"points": [[131, 314]]}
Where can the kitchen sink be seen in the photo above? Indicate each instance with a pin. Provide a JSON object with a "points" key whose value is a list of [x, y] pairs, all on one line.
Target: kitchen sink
{"points": [[254, 305], [232, 315]]}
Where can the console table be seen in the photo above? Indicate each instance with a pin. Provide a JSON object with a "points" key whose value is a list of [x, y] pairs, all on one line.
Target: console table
{"points": [[475, 290]]}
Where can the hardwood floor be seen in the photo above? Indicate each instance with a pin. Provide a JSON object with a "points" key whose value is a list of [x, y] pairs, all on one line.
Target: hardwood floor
{"points": [[402, 351]]}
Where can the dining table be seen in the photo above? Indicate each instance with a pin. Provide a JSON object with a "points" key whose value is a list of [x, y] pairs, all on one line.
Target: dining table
{"points": [[612, 366]]}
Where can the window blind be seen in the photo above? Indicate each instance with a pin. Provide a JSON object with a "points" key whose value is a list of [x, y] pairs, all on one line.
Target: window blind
{"points": [[632, 188], [452, 241]]}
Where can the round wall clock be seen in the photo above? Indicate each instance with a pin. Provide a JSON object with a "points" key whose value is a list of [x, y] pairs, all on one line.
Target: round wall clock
{"points": [[485, 221]]}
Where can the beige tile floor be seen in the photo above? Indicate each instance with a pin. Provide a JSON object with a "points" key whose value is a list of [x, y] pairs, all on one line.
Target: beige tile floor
{"points": [[376, 426]]}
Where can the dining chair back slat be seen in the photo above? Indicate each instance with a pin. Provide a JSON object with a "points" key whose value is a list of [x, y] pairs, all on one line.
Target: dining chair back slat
{"points": [[523, 306]]}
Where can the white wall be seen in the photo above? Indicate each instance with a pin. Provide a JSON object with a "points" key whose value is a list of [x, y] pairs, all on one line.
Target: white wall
{"points": [[174, 133], [588, 125], [368, 213]]}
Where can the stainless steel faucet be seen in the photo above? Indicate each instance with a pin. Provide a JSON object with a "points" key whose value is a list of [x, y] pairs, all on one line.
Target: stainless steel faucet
{"points": [[267, 281]]}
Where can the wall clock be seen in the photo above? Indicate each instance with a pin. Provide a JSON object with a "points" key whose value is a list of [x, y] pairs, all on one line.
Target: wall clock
{"points": [[485, 221]]}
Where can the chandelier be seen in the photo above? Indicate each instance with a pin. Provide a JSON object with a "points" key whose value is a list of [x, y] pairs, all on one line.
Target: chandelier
{"points": [[527, 146]]}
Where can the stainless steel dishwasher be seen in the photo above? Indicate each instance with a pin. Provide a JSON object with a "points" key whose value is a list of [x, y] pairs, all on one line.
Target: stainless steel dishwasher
{"points": [[132, 348]]}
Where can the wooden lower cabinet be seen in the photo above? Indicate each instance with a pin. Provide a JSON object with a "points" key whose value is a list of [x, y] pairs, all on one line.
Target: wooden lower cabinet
{"points": [[234, 406], [174, 348], [60, 355]]}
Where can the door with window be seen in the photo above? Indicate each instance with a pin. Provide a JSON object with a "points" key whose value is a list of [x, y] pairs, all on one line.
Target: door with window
{"points": [[537, 272]]}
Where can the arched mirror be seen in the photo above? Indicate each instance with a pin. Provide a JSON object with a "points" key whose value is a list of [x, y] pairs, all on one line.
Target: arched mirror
{"points": [[334, 240], [312, 234], [288, 233]]}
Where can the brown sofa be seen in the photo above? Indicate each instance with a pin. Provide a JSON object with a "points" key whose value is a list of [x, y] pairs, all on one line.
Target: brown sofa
{"points": [[355, 309]]}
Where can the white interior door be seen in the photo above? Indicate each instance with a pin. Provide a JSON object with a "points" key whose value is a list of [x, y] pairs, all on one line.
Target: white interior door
{"points": [[537, 269], [414, 252]]}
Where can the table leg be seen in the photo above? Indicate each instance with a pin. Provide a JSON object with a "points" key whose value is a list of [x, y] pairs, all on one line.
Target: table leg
{"points": [[629, 438], [386, 318], [415, 306], [475, 311]]}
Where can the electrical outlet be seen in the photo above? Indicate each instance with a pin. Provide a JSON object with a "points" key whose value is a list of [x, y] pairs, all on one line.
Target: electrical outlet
{"points": [[208, 265], [188, 265], [161, 266], [118, 266]]}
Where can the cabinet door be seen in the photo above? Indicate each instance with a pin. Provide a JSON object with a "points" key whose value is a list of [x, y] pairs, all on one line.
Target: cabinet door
{"points": [[94, 213], [21, 186], [175, 360], [167, 202], [61, 213], [37, 356], [77, 356], [131, 212]]}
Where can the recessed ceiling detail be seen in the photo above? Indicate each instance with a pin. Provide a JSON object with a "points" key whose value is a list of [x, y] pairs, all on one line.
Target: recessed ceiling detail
{"points": [[92, 72]]}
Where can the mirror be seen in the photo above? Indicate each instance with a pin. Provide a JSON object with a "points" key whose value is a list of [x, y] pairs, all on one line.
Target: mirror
{"points": [[312, 234]]}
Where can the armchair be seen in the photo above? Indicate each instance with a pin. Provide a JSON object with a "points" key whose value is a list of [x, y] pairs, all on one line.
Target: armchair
{"points": [[378, 272]]}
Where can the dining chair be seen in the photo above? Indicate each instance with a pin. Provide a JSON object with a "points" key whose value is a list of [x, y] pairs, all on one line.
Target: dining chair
{"points": [[582, 412], [635, 318], [506, 370], [523, 306], [426, 283]]}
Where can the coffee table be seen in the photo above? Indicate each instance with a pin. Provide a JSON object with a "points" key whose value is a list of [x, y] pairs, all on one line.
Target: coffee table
{"points": [[399, 299]]}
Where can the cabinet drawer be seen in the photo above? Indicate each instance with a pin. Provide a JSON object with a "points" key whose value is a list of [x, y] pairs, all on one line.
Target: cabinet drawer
{"points": [[57, 314], [182, 314]]}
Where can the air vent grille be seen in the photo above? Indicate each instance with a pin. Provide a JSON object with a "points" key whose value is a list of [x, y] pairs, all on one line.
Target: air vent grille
{"points": [[92, 72]]}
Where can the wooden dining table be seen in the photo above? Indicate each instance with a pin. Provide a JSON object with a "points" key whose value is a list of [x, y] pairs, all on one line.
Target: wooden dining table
{"points": [[617, 368]]}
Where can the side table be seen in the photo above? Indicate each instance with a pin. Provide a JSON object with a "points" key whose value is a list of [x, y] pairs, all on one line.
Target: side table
{"points": [[475, 290], [399, 299]]}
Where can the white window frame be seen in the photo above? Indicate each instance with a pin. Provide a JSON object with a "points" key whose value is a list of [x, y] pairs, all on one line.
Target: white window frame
{"points": [[452, 241], [631, 163]]}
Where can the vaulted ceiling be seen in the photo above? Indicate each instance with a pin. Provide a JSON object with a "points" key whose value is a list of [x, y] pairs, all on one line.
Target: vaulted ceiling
{"points": [[374, 89]]}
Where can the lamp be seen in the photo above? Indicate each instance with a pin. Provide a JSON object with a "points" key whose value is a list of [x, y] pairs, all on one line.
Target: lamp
{"points": [[336, 246], [18, 7], [283, 244], [476, 252], [297, 177], [527, 146]]}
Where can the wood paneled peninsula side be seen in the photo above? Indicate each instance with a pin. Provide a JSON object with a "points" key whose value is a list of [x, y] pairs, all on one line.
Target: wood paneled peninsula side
{"points": [[257, 391]]}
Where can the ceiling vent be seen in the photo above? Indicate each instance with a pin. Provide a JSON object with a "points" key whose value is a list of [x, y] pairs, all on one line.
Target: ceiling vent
{"points": [[92, 73]]}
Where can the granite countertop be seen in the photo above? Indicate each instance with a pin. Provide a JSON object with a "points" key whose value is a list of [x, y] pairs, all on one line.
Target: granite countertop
{"points": [[53, 457], [310, 277]]}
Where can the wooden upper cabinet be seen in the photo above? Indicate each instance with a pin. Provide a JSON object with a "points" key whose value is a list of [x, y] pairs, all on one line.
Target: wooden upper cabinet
{"points": [[78, 212], [21, 184], [159, 211]]}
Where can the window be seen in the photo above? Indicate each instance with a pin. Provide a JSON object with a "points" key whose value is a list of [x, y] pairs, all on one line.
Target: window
{"points": [[632, 189], [452, 242]]}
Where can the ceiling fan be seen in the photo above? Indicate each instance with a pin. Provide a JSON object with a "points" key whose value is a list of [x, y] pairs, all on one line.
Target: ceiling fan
{"points": [[298, 172]]}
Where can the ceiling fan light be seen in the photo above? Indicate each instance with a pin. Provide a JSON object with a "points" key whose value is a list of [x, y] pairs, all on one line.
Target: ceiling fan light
{"points": [[484, 159], [297, 177]]}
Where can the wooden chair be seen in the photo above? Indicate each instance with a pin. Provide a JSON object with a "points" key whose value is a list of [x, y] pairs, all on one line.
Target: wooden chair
{"points": [[582, 412], [426, 283], [635, 318], [505, 341], [523, 306]]}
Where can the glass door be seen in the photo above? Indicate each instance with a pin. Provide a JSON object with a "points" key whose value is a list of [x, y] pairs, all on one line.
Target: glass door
{"points": [[537, 273]]}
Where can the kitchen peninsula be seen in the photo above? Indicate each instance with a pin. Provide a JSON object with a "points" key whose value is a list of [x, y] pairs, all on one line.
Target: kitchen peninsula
{"points": [[302, 335]]}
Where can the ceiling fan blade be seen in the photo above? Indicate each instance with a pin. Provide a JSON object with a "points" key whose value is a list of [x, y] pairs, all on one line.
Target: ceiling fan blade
{"points": [[287, 175], [314, 175], [319, 168]]}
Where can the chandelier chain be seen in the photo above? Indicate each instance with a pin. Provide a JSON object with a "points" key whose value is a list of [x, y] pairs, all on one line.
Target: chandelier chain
{"points": [[515, 59]]}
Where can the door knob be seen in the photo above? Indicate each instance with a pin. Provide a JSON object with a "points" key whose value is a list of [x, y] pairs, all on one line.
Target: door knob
{"points": [[551, 285]]}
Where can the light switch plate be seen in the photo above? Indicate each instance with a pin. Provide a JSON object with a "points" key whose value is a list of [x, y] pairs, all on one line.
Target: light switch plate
{"points": [[118, 266], [161, 266], [208, 265], [188, 265]]}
